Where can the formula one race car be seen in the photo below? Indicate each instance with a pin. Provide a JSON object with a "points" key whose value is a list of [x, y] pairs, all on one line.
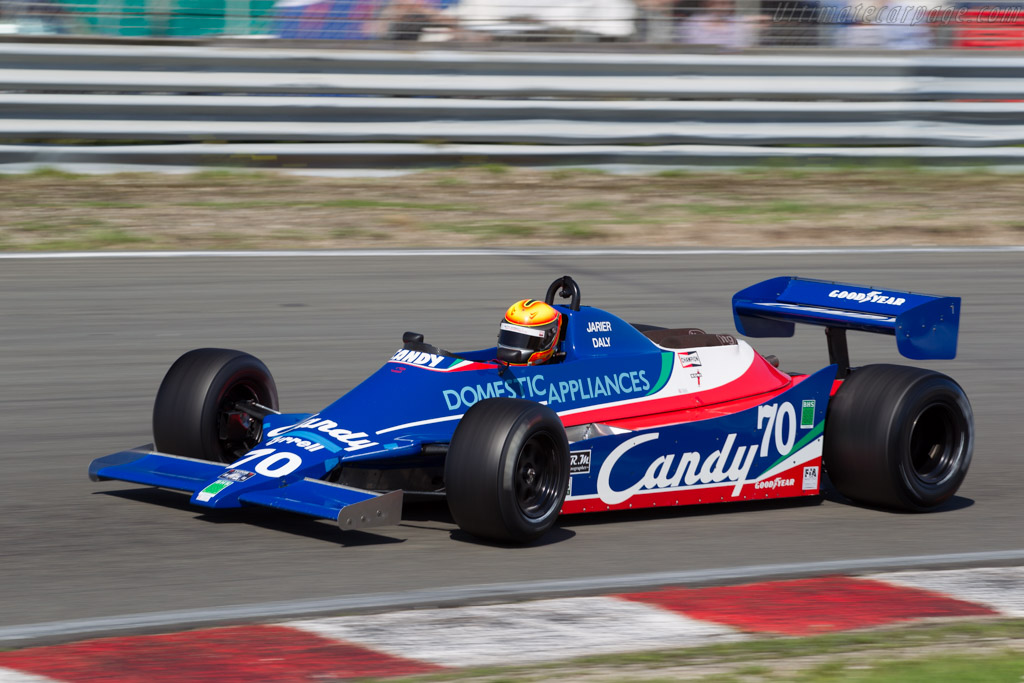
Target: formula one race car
{"points": [[615, 416]]}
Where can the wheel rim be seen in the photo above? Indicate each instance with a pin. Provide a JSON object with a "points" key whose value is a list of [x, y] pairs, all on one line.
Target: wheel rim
{"points": [[237, 431], [937, 441], [537, 476]]}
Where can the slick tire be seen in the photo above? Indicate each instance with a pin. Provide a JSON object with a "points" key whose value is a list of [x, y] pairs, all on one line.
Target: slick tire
{"points": [[898, 437], [195, 415], [507, 470]]}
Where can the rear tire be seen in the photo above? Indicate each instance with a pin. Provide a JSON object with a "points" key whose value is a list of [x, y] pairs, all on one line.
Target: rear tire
{"points": [[898, 437], [194, 414], [507, 470]]}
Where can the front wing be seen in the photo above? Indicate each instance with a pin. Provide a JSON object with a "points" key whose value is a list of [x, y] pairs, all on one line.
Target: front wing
{"points": [[351, 508]]}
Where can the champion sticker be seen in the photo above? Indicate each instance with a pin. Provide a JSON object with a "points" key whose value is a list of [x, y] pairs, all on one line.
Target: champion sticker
{"points": [[689, 359]]}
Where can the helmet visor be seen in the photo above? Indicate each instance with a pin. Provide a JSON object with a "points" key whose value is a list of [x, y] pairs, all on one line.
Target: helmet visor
{"points": [[521, 337]]}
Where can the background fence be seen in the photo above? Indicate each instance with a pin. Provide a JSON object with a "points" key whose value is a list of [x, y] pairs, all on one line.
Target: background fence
{"points": [[380, 109]]}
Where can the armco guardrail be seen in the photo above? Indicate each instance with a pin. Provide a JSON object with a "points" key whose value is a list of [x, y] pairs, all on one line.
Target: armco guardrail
{"points": [[551, 122], [327, 157], [447, 97]]}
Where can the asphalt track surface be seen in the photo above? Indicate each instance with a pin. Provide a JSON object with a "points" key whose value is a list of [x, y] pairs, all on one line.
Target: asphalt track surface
{"points": [[85, 344]]}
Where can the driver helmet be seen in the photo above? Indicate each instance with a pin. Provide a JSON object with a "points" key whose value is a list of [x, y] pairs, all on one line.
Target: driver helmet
{"points": [[532, 326]]}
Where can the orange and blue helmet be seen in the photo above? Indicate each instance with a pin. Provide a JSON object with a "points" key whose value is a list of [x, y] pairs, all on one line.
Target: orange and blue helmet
{"points": [[532, 326]]}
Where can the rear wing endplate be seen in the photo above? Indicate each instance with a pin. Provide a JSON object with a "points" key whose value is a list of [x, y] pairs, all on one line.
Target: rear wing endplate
{"points": [[925, 326]]}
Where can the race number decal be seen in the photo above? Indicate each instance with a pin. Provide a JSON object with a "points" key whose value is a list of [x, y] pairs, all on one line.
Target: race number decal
{"points": [[275, 463]]}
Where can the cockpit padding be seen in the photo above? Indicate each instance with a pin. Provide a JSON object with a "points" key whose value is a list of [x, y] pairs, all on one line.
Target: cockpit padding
{"points": [[687, 338]]}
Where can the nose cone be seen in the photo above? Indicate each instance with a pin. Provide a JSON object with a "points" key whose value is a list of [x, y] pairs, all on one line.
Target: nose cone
{"points": [[263, 468]]}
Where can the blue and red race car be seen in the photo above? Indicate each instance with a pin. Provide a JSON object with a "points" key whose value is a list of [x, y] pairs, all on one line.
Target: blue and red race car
{"points": [[621, 416]]}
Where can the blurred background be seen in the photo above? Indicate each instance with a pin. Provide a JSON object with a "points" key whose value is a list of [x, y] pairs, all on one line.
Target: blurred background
{"points": [[723, 24]]}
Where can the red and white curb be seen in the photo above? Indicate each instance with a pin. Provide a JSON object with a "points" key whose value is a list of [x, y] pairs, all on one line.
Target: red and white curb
{"points": [[542, 630], [999, 589], [432, 640]]}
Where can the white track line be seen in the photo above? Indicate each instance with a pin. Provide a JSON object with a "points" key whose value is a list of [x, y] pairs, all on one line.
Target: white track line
{"points": [[454, 595], [539, 631], [611, 251]]}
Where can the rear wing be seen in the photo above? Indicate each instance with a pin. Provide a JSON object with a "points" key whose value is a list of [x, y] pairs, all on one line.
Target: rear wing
{"points": [[925, 326]]}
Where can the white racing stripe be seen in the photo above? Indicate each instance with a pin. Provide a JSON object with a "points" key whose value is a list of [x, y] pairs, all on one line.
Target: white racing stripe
{"points": [[420, 423], [12, 676], [537, 631], [998, 588]]}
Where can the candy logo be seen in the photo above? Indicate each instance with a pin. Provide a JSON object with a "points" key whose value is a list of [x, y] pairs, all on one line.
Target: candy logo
{"points": [[667, 473], [431, 360], [353, 440]]}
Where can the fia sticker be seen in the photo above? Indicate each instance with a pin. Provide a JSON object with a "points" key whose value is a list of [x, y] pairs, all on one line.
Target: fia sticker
{"points": [[810, 478]]}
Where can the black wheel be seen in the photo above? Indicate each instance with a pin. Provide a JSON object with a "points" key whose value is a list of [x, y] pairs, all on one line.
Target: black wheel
{"points": [[507, 470], [899, 437], [196, 413]]}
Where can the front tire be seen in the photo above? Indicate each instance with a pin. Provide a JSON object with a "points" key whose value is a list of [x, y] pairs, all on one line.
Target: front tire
{"points": [[507, 470], [195, 412], [898, 437]]}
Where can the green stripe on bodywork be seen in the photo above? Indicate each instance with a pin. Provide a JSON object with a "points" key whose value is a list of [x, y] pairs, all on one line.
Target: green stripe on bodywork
{"points": [[666, 371], [808, 437]]}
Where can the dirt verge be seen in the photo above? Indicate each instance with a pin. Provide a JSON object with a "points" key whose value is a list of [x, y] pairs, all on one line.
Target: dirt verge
{"points": [[495, 206]]}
